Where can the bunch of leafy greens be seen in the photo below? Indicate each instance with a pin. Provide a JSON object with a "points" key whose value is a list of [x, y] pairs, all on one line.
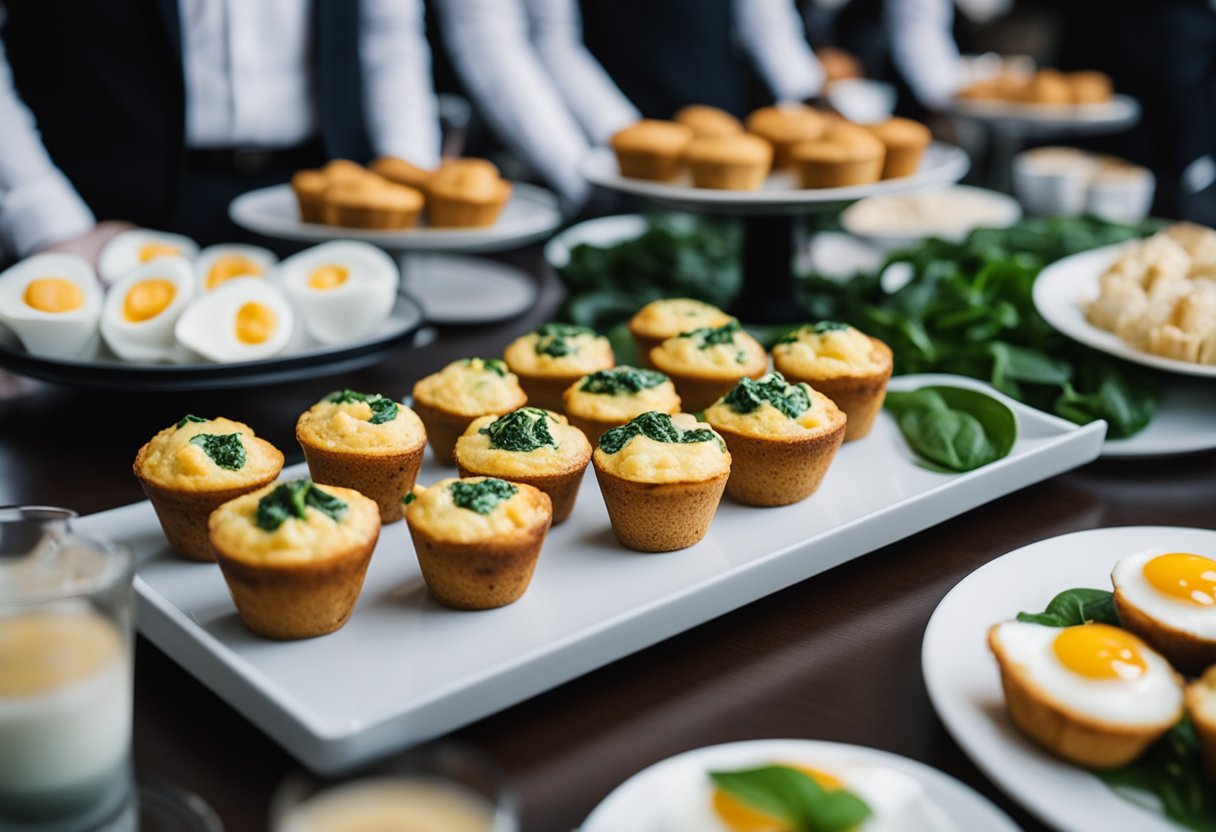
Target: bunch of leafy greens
{"points": [[656, 426], [621, 381], [791, 399], [967, 309], [383, 410], [794, 797], [292, 499], [225, 449], [482, 496], [954, 429], [522, 431], [553, 339], [1172, 769]]}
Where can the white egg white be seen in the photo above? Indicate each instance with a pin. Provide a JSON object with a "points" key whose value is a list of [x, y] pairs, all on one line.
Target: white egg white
{"points": [[208, 326], [121, 253], [149, 341], [1149, 700], [59, 335], [1128, 577], [356, 308], [263, 258]]}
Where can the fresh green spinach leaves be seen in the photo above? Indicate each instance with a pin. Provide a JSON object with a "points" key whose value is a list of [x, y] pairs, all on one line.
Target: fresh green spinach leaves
{"points": [[954, 429], [521, 431], [794, 797], [1076, 606], [482, 496]]}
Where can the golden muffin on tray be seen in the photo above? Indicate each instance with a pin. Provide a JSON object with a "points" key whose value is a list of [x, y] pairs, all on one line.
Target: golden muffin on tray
{"points": [[734, 163], [662, 478], [659, 320], [784, 127], [846, 365], [607, 398], [706, 363], [477, 539], [374, 205], [905, 141], [705, 121], [401, 172], [845, 155], [190, 468], [528, 445], [652, 149], [554, 356], [447, 401], [366, 442], [782, 439], [294, 556], [466, 193]]}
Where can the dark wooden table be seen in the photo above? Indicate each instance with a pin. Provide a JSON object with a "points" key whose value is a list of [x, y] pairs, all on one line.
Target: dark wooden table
{"points": [[836, 657]]}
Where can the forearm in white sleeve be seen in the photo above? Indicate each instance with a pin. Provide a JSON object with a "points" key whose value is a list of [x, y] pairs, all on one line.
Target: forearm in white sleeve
{"points": [[38, 205], [490, 49], [596, 102], [398, 94], [772, 34], [923, 48]]}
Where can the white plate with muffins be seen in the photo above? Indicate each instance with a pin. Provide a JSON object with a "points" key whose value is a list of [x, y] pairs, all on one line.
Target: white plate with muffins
{"points": [[1106, 116], [965, 685]]}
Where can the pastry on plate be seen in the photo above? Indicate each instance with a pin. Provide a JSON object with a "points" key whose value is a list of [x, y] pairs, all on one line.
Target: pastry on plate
{"points": [[1048, 86], [706, 121], [652, 149], [784, 127], [447, 401], [1169, 600], [478, 539], [735, 163], [659, 320], [1090, 87], [552, 357], [607, 398], [1201, 705], [845, 155], [309, 188], [466, 193], [401, 172], [294, 556], [706, 363], [905, 141], [191, 467], [374, 205], [782, 439]]}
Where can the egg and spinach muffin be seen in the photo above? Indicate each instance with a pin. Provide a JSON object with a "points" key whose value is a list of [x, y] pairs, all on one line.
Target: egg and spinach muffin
{"points": [[477, 539], [782, 439], [530, 445], [659, 320], [608, 398], [191, 467], [662, 478], [366, 442], [553, 357], [447, 401], [706, 363], [294, 556], [846, 365]]}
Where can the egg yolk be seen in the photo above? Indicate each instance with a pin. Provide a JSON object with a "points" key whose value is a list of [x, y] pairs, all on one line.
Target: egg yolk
{"points": [[226, 268], [255, 323], [328, 277], [1190, 578], [1100, 651], [741, 817], [147, 299], [53, 294], [150, 251]]}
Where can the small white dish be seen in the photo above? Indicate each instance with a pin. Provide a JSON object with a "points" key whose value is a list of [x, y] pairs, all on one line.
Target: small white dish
{"points": [[901, 220]]}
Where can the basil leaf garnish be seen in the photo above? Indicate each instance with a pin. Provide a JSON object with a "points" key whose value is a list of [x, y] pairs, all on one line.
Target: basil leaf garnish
{"points": [[748, 395], [553, 339], [1076, 606], [794, 797], [225, 449], [953, 428], [522, 431], [621, 381], [383, 409], [656, 426], [483, 496], [188, 418], [291, 499]]}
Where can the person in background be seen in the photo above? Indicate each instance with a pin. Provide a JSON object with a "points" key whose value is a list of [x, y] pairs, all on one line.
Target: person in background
{"points": [[554, 80], [159, 113]]}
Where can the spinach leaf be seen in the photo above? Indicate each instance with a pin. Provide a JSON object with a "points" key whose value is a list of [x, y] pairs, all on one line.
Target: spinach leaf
{"points": [[188, 418], [794, 797], [383, 410], [1172, 770], [291, 499], [225, 450], [791, 399], [708, 336], [482, 496], [1076, 606], [493, 365], [553, 339], [656, 426], [954, 428], [522, 431], [621, 381]]}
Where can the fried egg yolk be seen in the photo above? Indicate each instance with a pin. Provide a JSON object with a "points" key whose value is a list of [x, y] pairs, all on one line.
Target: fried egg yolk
{"points": [[147, 299], [53, 294], [1187, 577], [328, 277], [1100, 651], [255, 322], [226, 268], [150, 251], [741, 817]]}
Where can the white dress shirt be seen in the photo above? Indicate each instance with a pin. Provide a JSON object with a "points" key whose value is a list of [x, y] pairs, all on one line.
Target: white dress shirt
{"points": [[549, 100], [248, 83], [923, 48]]}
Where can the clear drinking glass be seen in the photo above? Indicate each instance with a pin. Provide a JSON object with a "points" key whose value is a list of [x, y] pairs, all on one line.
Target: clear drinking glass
{"points": [[66, 608]]}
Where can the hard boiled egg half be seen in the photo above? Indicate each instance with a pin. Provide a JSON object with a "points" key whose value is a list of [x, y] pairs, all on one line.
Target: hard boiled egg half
{"points": [[343, 290], [52, 303], [133, 248], [242, 319], [143, 307], [218, 264]]}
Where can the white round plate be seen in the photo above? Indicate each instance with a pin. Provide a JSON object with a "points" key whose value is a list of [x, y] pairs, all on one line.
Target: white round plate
{"points": [[1121, 111], [466, 290], [1005, 211], [942, 164], [965, 687], [530, 214], [1063, 286], [631, 806]]}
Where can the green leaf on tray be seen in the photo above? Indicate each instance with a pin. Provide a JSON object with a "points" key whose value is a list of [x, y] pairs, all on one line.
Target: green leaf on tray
{"points": [[953, 428], [1076, 606], [794, 797], [1170, 773]]}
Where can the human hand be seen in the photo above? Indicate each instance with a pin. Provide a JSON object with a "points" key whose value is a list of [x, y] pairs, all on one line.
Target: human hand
{"points": [[90, 244]]}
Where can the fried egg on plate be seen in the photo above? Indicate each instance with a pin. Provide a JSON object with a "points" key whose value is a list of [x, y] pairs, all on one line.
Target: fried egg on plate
{"points": [[1169, 599], [142, 308], [243, 319], [133, 248], [52, 302], [344, 291]]}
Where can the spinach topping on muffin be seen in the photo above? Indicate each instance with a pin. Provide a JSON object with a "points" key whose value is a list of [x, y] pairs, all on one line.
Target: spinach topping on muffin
{"points": [[817, 328], [522, 430], [225, 449], [554, 339], [383, 410], [482, 497], [748, 395], [493, 365], [291, 499], [656, 426], [188, 418], [621, 381]]}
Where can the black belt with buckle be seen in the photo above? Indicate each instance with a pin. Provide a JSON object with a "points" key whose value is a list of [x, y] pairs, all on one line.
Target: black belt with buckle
{"points": [[254, 161]]}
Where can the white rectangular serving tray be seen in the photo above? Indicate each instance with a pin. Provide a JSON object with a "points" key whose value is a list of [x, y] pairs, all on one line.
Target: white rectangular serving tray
{"points": [[405, 669]]}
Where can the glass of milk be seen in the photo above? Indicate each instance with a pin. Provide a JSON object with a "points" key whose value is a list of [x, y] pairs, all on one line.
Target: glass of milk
{"points": [[65, 676], [442, 787]]}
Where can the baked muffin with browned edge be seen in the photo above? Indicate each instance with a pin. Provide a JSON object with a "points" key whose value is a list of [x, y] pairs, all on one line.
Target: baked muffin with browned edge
{"points": [[704, 121], [294, 556], [846, 365], [706, 363], [845, 155], [401, 172], [528, 445], [366, 442], [733, 163], [477, 539], [651, 149], [782, 439], [659, 320], [607, 398], [466, 193], [309, 188], [552, 357], [447, 401], [662, 478], [905, 141], [784, 127], [1089, 87], [373, 205], [1201, 705], [190, 468]]}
